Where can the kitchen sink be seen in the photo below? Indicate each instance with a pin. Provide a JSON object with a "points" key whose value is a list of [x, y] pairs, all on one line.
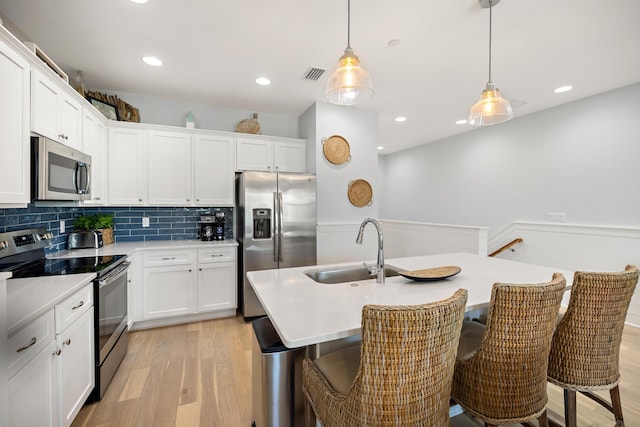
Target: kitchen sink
{"points": [[351, 273]]}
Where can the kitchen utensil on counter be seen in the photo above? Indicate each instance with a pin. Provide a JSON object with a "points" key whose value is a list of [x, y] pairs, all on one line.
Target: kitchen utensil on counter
{"points": [[84, 239]]}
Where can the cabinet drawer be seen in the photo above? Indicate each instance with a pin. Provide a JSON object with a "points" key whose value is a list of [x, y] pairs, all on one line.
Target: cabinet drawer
{"points": [[216, 255], [73, 307], [164, 259], [29, 341]]}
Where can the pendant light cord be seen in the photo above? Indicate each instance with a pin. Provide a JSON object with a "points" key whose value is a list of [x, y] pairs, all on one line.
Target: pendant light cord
{"points": [[348, 24], [490, 16]]}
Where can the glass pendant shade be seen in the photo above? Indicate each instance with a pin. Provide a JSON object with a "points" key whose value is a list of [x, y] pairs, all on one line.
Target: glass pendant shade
{"points": [[350, 84], [490, 109]]}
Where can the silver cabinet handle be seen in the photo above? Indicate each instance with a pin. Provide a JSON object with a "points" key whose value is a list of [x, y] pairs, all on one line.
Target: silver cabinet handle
{"points": [[168, 258], [57, 352], [67, 342], [78, 306], [33, 342], [216, 255]]}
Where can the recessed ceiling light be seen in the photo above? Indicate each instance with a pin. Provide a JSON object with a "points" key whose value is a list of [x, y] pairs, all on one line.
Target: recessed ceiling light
{"points": [[263, 81], [152, 60], [562, 89], [400, 119], [380, 147], [461, 121], [139, 1]]}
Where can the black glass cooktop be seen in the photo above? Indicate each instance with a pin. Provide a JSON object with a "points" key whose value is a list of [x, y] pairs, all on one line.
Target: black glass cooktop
{"points": [[59, 266]]}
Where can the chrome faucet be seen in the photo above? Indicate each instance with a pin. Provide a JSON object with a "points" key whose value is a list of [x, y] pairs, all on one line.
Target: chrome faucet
{"points": [[378, 270]]}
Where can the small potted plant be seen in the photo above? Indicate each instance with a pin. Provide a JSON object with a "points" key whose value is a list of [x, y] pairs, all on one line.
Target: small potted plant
{"points": [[99, 222]]}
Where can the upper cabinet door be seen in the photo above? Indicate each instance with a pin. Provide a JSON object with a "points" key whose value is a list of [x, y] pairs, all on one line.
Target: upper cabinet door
{"points": [[44, 106], [254, 154], [54, 113], [214, 172], [14, 127], [126, 166], [94, 139], [169, 163], [290, 156]]}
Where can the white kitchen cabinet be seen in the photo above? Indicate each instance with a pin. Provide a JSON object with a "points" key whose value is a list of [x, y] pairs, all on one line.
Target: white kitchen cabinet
{"points": [[94, 137], [76, 361], [52, 365], [213, 170], [217, 288], [33, 391], [76, 366], [14, 127], [271, 154], [126, 166], [183, 285], [54, 112], [290, 156], [169, 168], [168, 284]]}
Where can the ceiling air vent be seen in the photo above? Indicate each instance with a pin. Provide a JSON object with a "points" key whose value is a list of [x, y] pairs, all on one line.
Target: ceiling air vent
{"points": [[314, 73]]}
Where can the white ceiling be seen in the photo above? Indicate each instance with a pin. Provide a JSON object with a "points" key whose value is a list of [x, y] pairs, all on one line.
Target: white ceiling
{"points": [[213, 50]]}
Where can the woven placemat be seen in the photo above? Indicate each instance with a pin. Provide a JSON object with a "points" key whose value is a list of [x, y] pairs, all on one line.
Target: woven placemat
{"points": [[360, 193], [432, 273], [336, 149]]}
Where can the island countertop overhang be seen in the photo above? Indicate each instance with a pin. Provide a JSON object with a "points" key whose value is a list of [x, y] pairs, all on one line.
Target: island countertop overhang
{"points": [[305, 312]]}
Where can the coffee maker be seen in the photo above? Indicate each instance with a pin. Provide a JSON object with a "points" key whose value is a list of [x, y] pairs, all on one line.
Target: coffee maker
{"points": [[206, 228]]}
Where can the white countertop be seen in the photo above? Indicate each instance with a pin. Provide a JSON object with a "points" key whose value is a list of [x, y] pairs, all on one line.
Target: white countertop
{"points": [[4, 276], [28, 299], [127, 248], [305, 312]]}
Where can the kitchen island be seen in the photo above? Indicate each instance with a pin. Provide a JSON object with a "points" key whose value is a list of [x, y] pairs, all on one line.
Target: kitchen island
{"points": [[305, 312]]}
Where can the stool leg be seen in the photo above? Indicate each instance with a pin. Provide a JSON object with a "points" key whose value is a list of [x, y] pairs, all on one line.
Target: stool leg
{"points": [[617, 405], [570, 408], [543, 421]]}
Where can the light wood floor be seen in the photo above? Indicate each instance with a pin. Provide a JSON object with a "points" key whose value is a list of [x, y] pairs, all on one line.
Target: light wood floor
{"points": [[199, 374]]}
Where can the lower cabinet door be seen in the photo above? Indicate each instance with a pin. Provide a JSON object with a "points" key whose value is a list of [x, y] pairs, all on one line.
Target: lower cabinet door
{"points": [[76, 367], [217, 286], [32, 391], [168, 291]]}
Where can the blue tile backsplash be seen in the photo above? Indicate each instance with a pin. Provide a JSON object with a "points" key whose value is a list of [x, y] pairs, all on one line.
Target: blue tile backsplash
{"points": [[165, 223]]}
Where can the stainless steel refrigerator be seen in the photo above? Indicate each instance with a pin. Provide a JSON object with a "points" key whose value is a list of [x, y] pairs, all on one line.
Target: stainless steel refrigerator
{"points": [[275, 227]]}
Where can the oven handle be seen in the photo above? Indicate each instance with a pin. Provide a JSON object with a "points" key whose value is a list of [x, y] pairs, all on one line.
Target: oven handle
{"points": [[112, 277]]}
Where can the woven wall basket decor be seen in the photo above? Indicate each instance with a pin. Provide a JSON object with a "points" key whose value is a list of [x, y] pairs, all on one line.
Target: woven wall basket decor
{"points": [[336, 149], [360, 193]]}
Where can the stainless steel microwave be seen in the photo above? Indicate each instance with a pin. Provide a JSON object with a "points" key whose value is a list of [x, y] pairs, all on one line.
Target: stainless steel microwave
{"points": [[58, 172]]}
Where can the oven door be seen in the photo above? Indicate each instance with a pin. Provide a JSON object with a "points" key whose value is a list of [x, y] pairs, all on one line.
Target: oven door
{"points": [[111, 316]]}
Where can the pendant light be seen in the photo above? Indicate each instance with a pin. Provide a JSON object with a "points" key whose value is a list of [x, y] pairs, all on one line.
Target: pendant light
{"points": [[491, 108], [350, 84]]}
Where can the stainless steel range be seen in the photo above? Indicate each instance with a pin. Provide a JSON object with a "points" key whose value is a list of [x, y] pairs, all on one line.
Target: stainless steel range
{"points": [[23, 253]]}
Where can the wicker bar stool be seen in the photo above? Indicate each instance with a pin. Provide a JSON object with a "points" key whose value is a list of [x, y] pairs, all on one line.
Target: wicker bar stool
{"points": [[585, 350], [400, 375], [501, 373]]}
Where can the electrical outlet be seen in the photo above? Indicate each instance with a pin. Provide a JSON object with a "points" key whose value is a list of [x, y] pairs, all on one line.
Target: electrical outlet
{"points": [[557, 216], [62, 226], [145, 221]]}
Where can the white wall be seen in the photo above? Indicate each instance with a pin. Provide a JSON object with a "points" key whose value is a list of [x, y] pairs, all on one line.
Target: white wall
{"points": [[335, 213], [172, 112], [581, 159], [359, 127]]}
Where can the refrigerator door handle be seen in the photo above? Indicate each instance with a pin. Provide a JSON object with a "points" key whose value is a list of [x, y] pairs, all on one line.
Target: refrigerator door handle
{"points": [[276, 219], [280, 222]]}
